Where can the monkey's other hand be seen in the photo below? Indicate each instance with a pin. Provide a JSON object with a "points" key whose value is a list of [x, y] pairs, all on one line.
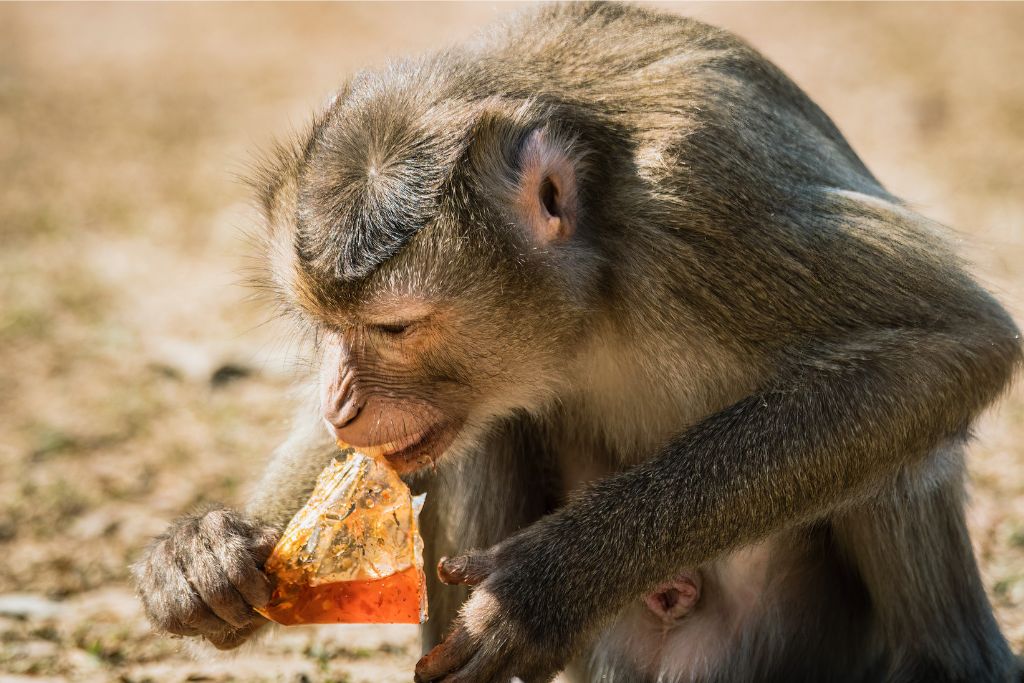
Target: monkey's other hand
{"points": [[505, 630], [203, 577]]}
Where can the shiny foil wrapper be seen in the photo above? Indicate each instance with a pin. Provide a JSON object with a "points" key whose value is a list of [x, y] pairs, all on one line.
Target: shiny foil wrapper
{"points": [[353, 554]]}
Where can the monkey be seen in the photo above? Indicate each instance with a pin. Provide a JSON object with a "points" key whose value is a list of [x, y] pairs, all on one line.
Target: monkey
{"points": [[688, 389]]}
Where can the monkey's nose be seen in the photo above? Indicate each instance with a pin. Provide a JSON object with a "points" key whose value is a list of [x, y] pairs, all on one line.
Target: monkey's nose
{"points": [[339, 418]]}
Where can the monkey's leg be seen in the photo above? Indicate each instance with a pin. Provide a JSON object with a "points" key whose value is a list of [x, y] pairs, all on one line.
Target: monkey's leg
{"points": [[476, 502], [914, 554]]}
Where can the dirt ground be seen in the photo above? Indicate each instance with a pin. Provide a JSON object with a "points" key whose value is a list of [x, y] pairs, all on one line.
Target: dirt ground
{"points": [[138, 380]]}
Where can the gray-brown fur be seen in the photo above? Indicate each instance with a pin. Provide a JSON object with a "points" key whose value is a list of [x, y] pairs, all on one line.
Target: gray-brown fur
{"points": [[746, 343]]}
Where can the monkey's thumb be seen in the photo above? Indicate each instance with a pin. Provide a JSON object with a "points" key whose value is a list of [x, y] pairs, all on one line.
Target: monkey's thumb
{"points": [[467, 570]]}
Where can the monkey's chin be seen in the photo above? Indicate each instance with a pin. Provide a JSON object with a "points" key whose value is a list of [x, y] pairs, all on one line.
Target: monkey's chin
{"points": [[423, 452]]}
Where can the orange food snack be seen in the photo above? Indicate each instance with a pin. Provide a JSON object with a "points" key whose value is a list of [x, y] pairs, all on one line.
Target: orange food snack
{"points": [[393, 600], [353, 553]]}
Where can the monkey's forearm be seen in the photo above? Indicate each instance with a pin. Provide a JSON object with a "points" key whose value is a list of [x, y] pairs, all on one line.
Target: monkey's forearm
{"points": [[835, 424], [292, 471]]}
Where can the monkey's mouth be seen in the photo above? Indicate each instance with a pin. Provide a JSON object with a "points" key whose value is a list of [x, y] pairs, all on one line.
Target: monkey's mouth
{"points": [[416, 451]]}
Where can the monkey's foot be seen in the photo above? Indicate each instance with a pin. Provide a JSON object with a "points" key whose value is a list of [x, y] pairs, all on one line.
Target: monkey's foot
{"points": [[674, 599]]}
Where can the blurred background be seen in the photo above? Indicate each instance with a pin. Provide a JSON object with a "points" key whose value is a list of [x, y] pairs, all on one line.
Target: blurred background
{"points": [[137, 380]]}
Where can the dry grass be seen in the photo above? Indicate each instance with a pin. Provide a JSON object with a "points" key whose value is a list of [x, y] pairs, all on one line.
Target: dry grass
{"points": [[122, 129]]}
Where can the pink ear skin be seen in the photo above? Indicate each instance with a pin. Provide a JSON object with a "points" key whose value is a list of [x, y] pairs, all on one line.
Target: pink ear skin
{"points": [[546, 193]]}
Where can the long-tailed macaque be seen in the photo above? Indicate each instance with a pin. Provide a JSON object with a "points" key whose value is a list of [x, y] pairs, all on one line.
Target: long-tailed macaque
{"points": [[689, 390]]}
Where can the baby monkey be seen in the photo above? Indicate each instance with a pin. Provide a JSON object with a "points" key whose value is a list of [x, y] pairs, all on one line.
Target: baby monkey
{"points": [[688, 389]]}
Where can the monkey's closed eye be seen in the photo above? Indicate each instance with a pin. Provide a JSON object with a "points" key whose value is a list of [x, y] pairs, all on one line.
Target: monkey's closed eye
{"points": [[391, 329]]}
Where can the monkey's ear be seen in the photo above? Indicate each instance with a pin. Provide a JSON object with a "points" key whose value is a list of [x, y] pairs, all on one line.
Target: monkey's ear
{"points": [[546, 197]]}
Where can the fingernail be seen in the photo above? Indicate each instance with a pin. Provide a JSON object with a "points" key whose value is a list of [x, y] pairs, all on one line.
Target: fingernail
{"points": [[450, 569]]}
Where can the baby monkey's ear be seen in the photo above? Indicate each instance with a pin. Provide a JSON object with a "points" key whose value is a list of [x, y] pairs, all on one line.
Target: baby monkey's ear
{"points": [[546, 197]]}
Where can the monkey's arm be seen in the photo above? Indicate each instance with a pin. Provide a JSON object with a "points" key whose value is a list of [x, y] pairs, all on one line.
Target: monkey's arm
{"points": [[833, 425], [291, 474]]}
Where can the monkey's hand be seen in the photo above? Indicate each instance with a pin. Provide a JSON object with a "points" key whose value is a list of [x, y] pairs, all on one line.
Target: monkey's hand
{"points": [[203, 577], [515, 624]]}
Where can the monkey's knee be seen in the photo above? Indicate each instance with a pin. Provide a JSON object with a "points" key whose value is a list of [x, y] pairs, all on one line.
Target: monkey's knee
{"points": [[675, 598]]}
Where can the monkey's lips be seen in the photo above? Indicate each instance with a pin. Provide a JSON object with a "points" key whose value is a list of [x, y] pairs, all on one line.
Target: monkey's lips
{"points": [[415, 451]]}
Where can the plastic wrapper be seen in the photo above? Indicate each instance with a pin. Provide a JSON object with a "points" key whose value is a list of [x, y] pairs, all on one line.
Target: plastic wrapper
{"points": [[353, 554]]}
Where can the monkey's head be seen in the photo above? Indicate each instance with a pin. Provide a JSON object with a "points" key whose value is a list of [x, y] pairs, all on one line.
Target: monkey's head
{"points": [[438, 248]]}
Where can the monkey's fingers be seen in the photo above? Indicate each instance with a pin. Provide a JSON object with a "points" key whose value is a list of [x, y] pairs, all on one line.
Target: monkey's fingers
{"points": [[262, 544], [479, 668], [230, 581], [494, 663], [466, 570], [445, 658], [205, 575], [229, 640], [170, 602]]}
